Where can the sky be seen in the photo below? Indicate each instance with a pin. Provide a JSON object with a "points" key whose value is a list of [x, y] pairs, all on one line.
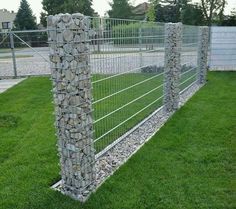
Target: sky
{"points": [[100, 6]]}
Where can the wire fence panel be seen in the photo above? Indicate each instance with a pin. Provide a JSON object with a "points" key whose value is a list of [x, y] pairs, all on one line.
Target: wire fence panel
{"points": [[223, 48], [189, 53], [127, 59]]}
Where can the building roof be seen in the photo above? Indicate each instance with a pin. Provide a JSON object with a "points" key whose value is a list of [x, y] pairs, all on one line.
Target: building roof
{"points": [[141, 9]]}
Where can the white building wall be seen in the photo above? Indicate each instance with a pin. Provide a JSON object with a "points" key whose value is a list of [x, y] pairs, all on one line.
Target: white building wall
{"points": [[6, 16], [223, 48]]}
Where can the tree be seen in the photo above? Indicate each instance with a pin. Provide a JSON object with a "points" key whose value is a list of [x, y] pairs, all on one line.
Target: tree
{"points": [[52, 7], [151, 14], [166, 13], [221, 13], [176, 11], [172, 8], [192, 15], [211, 8], [82, 6], [120, 9], [166, 10], [25, 20], [230, 20], [43, 19]]}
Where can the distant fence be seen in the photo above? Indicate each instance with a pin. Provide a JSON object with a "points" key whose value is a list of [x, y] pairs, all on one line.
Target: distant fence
{"points": [[223, 48], [114, 44], [24, 53]]}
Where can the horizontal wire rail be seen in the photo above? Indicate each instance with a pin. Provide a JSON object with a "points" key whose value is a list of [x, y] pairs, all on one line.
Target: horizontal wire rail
{"points": [[128, 103], [188, 79], [129, 118], [191, 69], [125, 89]]}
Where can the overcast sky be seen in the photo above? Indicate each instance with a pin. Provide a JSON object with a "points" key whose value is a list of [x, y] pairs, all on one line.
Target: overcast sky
{"points": [[100, 6]]}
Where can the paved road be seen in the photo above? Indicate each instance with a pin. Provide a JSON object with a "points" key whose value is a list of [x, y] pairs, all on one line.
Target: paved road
{"points": [[31, 63]]}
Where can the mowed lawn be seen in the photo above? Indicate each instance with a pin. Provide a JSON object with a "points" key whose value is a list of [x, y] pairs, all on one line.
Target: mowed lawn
{"points": [[190, 163]]}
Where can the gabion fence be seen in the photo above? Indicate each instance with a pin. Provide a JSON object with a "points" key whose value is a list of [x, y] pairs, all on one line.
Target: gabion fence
{"points": [[108, 76]]}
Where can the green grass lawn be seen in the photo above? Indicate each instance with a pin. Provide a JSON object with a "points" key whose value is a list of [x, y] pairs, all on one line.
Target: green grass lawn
{"points": [[190, 163]]}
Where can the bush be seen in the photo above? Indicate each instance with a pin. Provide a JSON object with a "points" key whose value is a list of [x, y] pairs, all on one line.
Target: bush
{"points": [[150, 33], [138, 33]]}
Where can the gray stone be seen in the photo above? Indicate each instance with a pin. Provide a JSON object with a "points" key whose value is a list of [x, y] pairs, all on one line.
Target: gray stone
{"points": [[172, 69], [68, 35], [68, 48], [72, 99], [66, 18], [59, 38], [203, 54]]}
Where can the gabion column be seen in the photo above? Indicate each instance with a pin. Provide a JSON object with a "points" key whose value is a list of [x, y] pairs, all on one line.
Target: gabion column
{"points": [[203, 54], [173, 43], [71, 76]]}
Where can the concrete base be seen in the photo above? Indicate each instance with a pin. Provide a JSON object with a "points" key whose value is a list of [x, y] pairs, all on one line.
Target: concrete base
{"points": [[7, 84], [81, 198]]}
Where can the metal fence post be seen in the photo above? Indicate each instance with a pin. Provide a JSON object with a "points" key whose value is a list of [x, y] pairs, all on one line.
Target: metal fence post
{"points": [[172, 69], [203, 53], [71, 76], [140, 44], [12, 45]]}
